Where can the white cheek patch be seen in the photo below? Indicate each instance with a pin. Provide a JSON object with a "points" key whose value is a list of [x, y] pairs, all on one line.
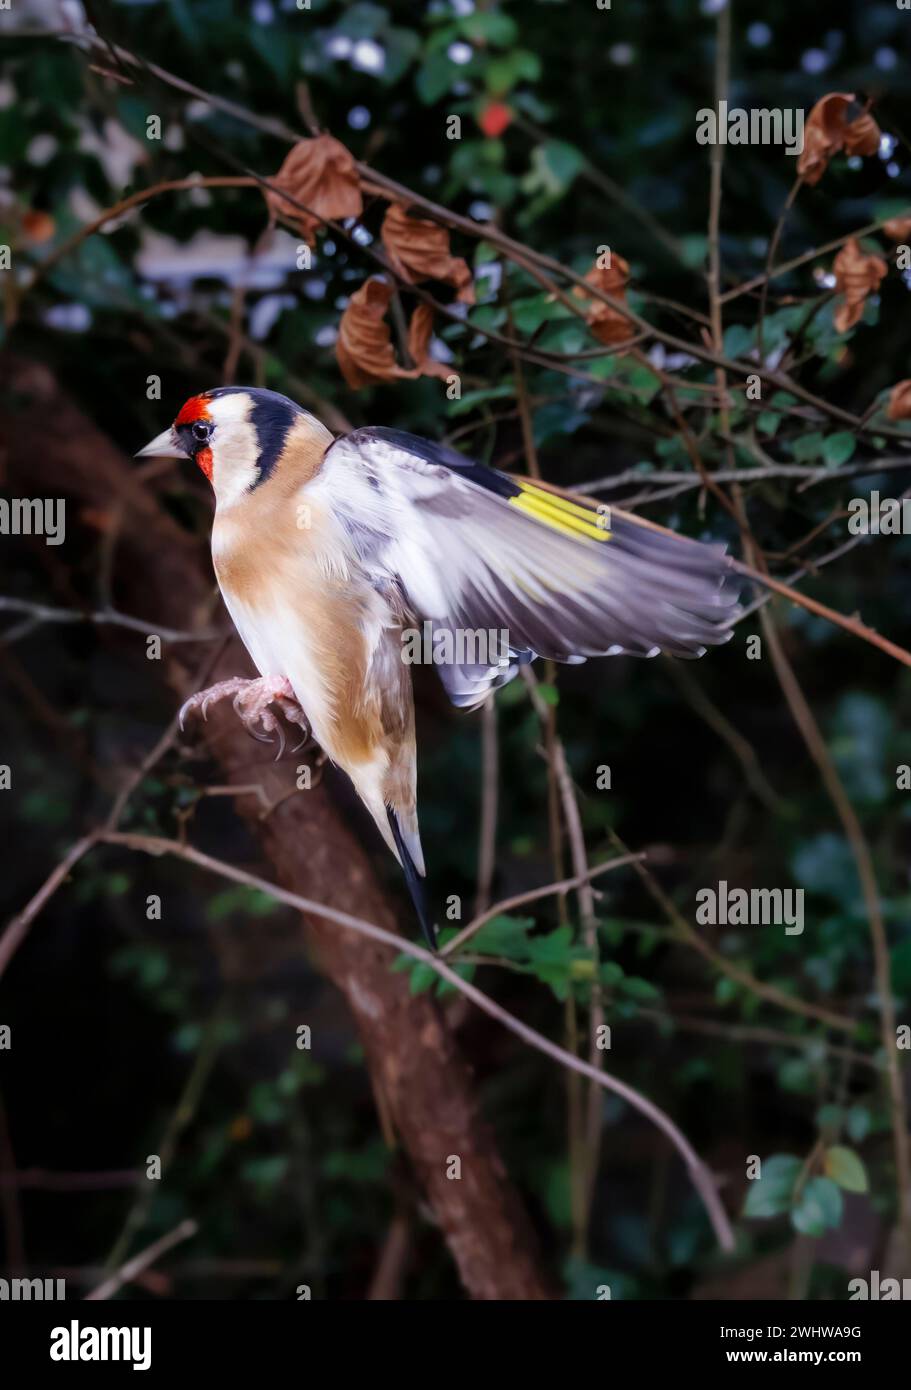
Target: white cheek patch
{"points": [[235, 448]]}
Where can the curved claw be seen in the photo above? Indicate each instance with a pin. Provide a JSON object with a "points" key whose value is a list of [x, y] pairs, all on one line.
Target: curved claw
{"points": [[250, 702]]}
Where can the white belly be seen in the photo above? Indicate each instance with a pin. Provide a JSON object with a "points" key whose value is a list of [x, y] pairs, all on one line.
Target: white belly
{"points": [[279, 644]]}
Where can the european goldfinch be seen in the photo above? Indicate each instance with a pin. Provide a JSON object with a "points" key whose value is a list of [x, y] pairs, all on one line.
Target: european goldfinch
{"points": [[330, 553]]}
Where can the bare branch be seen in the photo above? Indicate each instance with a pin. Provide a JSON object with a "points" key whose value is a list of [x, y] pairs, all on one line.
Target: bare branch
{"points": [[142, 1261]]}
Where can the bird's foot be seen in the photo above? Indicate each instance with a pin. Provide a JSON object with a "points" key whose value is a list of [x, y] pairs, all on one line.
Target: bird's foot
{"points": [[251, 701]]}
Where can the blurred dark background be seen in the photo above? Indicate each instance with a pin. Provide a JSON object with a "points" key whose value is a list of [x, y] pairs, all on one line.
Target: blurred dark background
{"points": [[279, 1155]]}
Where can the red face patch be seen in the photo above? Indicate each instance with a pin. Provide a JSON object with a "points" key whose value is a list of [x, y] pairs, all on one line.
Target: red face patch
{"points": [[204, 459], [196, 408]]}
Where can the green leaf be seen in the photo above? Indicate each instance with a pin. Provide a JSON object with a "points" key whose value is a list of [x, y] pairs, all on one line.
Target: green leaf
{"points": [[767, 421], [554, 165], [265, 1172], [694, 249], [265, 1105], [770, 1194], [830, 1117], [358, 1165], [640, 989], [569, 335], [503, 73], [726, 990], [422, 977], [809, 448], [797, 1074], [846, 1168], [563, 160], [737, 340], [529, 313], [610, 973], [486, 316], [505, 391], [858, 1123], [434, 77], [818, 1208], [362, 21], [550, 959], [487, 26], [402, 47], [838, 448], [642, 381], [504, 936], [823, 865]]}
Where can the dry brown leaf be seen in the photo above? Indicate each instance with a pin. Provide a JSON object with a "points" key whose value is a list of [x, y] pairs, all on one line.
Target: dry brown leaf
{"points": [[823, 135], [856, 276], [321, 174], [862, 136], [898, 228], [419, 331], [364, 345], [827, 132], [419, 250], [607, 324], [899, 407]]}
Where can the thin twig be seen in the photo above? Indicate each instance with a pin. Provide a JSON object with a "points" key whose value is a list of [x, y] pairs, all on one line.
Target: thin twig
{"points": [[17, 929], [824, 250], [142, 195], [109, 617], [822, 610], [748, 475], [142, 1261], [718, 721]]}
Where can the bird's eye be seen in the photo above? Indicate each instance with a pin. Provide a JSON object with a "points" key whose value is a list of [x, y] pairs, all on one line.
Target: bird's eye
{"points": [[201, 431]]}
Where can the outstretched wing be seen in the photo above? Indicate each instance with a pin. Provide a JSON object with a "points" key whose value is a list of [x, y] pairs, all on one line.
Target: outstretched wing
{"points": [[470, 548]]}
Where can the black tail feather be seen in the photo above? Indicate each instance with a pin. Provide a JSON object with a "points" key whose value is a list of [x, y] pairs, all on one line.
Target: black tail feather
{"points": [[414, 882]]}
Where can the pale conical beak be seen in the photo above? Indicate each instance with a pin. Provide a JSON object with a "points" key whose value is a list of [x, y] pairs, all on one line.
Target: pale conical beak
{"points": [[165, 445]]}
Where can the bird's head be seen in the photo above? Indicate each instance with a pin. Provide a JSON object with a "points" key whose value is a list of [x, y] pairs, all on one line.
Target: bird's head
{"points": [[236, 435]]}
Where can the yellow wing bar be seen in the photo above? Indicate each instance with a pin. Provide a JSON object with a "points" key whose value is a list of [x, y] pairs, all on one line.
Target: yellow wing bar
{"points": [[561, 514]]}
